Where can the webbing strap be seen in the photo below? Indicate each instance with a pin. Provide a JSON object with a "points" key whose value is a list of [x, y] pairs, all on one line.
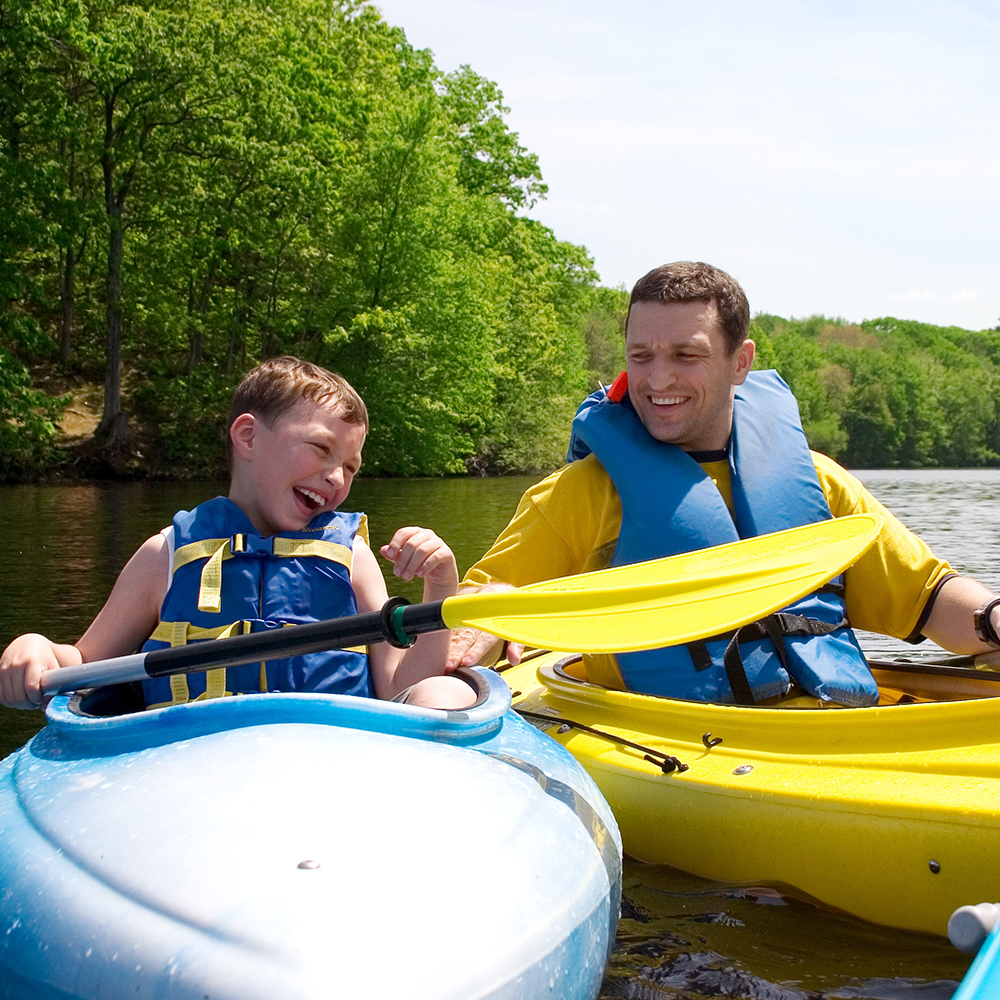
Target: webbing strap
{"points": [[217, 550], [700, 656], [313, 547], [181, 633], [774, 627], [178, 634]]}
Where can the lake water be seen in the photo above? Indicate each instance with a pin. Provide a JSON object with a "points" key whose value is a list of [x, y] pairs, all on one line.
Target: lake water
{"points": [[680, 937]]}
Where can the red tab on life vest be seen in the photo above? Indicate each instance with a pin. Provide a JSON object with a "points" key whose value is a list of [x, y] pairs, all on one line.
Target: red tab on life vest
{"points": [[618, 388]]}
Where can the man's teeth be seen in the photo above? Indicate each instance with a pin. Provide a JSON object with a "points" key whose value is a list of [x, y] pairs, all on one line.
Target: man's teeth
{"points": [[667, 400]]}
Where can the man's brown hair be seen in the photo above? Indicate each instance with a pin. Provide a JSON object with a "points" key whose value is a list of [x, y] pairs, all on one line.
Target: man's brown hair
{"points": [[272, 388], [693, 281]]}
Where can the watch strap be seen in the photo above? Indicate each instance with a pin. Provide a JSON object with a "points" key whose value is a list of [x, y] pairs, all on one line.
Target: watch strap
{"points": [[983, 624]]}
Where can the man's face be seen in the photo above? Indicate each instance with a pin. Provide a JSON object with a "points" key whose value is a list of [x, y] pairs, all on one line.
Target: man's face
{"points": [[680, 378]]}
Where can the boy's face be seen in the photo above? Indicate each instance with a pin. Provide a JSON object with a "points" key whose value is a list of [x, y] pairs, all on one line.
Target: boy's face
{"points": [[283, 476]]}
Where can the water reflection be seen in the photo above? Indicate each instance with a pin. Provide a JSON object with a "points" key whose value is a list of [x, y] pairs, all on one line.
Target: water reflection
{"points": [[683, 937]]}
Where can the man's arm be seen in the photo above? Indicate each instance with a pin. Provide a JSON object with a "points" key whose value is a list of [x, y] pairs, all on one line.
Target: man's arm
{"points": [[950, 621]]}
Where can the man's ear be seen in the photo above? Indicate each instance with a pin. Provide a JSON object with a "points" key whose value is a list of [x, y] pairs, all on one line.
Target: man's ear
{"points": [[242, 433], [745, 354]]}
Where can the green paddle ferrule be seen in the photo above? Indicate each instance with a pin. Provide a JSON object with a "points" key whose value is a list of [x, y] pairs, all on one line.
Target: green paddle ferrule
{"points": [[392, 623]]}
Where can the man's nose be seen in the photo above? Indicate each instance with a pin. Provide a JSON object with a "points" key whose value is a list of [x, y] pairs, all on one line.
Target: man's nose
{"points": [[662, 374]]}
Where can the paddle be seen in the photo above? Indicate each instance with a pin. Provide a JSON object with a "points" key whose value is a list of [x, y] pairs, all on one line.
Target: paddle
{"points": [[642, 606], [984, 666]]}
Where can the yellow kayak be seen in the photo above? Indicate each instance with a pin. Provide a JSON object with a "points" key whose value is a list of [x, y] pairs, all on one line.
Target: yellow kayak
{"points": [[890, 813]]}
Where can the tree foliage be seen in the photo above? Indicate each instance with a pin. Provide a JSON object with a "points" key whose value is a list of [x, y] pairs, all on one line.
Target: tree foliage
{"points": [[196, 185], [890, 392]]}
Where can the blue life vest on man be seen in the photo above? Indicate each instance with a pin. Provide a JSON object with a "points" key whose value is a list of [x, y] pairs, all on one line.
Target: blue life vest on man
{"points": [[226, 579], [669, 506]]}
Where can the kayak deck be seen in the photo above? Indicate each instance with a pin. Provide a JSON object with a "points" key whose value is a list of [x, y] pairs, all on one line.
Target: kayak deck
{"points": [[889, 813], [303, 846]]}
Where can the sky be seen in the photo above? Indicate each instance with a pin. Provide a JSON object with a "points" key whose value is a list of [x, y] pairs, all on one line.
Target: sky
{"points": [[839, 157]]}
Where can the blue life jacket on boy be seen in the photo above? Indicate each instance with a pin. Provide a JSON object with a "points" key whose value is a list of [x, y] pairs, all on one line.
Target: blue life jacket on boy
{"points": [[226, 579], [669, 506]]}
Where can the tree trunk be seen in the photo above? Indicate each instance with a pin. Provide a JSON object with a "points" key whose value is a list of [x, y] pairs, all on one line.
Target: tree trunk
{"points": [[111, 430], [67, 294], [67, 288]]}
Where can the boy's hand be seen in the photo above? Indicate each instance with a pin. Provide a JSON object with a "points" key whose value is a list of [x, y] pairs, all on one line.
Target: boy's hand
{"points": [[418, 552], [21, 668]]}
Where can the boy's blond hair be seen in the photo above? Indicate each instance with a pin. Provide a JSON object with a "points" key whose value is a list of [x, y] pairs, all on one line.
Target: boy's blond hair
{"points": [[272, 388]]}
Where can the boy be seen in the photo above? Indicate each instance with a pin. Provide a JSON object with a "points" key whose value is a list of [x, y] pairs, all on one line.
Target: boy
{"points": [[276, 552]]}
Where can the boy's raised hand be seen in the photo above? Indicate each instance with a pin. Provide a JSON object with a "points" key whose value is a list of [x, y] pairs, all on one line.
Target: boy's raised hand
{"points": [[419, 552]]}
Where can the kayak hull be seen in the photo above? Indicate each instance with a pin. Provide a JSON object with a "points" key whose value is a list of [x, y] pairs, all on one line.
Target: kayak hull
{"points": [[888, 813], [303, 846]]}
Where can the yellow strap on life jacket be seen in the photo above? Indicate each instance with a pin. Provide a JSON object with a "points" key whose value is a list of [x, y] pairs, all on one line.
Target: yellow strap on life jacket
{"points": [[217, 550], [179, 634], [214, 550], [313, 547]]}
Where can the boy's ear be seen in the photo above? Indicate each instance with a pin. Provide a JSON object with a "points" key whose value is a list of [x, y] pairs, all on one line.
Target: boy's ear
{"points": [[242, 432]]}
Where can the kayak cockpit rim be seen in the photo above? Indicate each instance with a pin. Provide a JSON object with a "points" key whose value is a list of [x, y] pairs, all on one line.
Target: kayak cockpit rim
{"points": [[909, 681], [75, 716]]}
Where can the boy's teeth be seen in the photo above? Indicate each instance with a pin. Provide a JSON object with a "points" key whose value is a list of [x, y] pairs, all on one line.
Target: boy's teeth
{"points": [[315, 497]]}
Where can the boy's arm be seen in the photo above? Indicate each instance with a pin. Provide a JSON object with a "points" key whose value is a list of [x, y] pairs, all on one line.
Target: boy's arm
{"points": [[415, 552], [124, 623], [132, 609]]}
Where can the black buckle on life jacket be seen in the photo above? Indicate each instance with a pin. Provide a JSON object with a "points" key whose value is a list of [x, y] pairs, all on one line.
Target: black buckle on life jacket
{"points": [[251, 545]]}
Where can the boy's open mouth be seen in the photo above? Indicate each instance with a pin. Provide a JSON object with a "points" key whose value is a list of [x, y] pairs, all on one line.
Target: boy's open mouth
{"points": [[312, 500]]}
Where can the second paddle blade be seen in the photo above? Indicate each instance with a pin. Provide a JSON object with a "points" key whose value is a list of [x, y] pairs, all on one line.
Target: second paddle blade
{"points": [[670, 601]]}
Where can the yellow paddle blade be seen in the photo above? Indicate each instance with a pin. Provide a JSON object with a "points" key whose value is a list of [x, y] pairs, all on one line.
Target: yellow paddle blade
{"points": [[666, 602]]}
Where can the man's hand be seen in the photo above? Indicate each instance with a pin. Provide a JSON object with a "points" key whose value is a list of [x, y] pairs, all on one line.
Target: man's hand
{"points": [[471, 647]]}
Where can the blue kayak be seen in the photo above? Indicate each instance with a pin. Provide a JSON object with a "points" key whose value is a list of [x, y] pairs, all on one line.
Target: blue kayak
{"points": [[976, 929], [302, 846]]}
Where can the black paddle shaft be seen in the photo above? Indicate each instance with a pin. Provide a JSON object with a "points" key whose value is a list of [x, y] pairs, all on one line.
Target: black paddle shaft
{"points": [[397, 623]]}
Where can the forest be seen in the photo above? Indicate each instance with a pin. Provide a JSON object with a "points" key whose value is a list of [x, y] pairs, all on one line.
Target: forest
{"points": [[189, 186]]}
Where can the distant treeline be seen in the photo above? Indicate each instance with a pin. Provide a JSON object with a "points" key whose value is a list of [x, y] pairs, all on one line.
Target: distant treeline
{"points": [[889, 392], [188, 186]]}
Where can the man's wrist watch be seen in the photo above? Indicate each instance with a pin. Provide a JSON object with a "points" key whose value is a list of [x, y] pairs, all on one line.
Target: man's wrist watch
{"points": [[983, 624]]}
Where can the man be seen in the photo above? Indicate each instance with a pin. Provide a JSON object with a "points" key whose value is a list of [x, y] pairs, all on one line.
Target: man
{"points": [[690, 448]]}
